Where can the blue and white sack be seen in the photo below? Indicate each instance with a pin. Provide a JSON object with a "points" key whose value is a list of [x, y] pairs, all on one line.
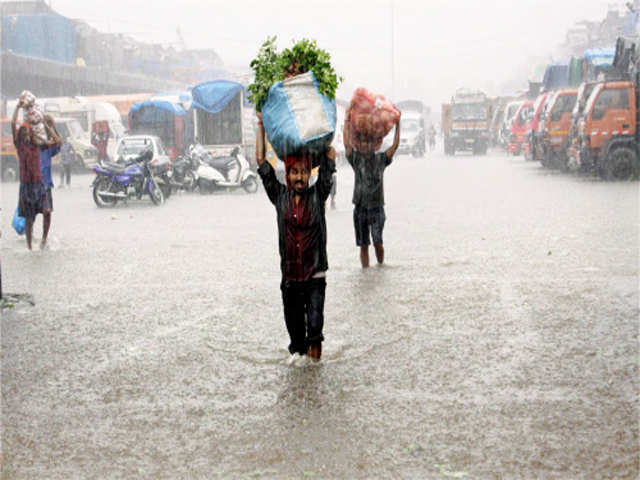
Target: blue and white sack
{"points": [[297, 117], [18, 222]]}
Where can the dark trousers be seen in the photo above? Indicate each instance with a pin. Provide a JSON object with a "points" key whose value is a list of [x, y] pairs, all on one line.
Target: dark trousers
{"points": [[304, 312], [65, 171]]}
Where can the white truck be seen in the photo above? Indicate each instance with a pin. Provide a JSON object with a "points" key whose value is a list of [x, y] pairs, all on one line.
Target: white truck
{"points": [[412, 128], [221, 121]]}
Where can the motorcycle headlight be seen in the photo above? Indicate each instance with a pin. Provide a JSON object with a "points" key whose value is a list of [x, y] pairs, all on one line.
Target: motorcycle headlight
{"points": [[169, 173]]}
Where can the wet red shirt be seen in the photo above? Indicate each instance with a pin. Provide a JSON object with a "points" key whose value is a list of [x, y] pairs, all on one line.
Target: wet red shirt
{"points": [[299, 240], [28, 161]]}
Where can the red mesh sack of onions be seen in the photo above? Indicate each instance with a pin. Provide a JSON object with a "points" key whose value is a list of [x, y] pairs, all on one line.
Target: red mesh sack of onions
{"points": [[372, 118]]}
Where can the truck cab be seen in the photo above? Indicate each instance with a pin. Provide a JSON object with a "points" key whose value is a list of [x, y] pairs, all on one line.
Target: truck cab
{"points": [[519, 126], [556, 128], [608, 133], [510, 111], [467, 120], [532, 146], [573, 149]]}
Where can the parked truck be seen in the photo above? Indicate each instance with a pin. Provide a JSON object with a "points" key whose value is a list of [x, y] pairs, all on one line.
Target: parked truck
{"points": [[221, 119], [557, 123], [466, 121], [166, 116], [608, 136], [519, 126]]}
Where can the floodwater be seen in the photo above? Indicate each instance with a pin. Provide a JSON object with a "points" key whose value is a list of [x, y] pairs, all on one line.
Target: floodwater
{"points": [[500, 340]]}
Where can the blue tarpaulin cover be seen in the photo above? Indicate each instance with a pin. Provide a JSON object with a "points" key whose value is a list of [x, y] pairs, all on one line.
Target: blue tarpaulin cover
{"points": [[600, 56], [214, 96], [171, 107]]}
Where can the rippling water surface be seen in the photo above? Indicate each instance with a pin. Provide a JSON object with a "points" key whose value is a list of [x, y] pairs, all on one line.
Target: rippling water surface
{"points": [[500, 340]]}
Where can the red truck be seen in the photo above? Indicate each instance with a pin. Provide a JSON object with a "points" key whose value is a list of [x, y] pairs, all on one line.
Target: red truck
{"points": [[532, 148], [519, 127]]}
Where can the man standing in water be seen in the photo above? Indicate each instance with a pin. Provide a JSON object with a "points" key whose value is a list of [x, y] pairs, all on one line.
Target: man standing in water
{"points": [[368, 192], [302, 234]]}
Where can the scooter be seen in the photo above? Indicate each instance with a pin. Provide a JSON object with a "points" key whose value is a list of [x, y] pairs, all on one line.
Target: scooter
{"points": [[115, 182], [215, 173]]}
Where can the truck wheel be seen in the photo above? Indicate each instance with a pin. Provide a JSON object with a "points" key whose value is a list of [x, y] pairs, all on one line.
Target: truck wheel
{"points": [[621, 165]]}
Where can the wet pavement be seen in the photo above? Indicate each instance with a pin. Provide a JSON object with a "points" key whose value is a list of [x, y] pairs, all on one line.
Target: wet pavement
{"points": [[500, 340]]}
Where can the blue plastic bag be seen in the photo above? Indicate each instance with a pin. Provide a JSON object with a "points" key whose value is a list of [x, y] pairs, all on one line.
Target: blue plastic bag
{"points": [[297, 117], [18, 223]]}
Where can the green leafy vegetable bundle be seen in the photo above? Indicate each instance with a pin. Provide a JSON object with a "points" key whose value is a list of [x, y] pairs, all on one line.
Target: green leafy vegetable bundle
{"points": [[271, 67]]}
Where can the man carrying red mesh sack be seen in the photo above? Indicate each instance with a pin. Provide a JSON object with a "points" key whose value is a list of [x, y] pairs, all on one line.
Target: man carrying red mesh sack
{"points": [[368, 120]]}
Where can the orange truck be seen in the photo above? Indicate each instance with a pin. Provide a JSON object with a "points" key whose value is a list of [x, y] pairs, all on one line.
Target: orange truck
{"points": [[556, 127], [608, 140], [608, 131]]}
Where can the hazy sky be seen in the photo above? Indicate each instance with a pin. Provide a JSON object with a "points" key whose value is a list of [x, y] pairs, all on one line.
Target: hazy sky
{"points": [[437, 45]]}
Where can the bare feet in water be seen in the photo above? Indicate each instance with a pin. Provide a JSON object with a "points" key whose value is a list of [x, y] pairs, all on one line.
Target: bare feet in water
{"points": [[314, 352]]}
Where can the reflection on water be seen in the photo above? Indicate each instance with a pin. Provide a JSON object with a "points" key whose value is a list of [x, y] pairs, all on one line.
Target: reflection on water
{"points": [[157, 345]]}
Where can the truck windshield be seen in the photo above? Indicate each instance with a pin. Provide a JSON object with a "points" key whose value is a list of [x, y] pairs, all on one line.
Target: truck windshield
{"points": [[469, 111], [563, 104]]}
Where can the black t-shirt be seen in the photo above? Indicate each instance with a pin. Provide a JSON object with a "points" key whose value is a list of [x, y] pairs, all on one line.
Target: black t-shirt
{"points": [[368, 188]]}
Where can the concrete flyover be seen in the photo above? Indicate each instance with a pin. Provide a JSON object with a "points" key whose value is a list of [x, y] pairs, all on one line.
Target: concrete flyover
{"points": [[53, 79]]}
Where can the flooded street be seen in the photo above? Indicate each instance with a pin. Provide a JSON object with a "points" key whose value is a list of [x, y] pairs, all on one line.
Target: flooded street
{"points": [[500, 340]]}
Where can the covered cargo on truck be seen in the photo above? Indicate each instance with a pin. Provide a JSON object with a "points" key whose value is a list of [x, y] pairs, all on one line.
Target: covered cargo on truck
{"points": [[166, 116], [219, 115]]}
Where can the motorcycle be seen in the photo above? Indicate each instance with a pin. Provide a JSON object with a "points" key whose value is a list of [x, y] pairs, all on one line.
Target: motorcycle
{"points": [[115, 181], [214, 173], [162, 171], [182, 175]]}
